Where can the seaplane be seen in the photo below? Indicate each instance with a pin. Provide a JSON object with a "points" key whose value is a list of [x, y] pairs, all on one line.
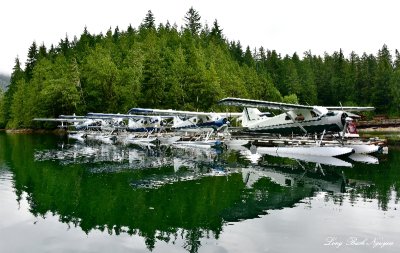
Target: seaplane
{"points": [[136, 123], [76, 121], [192, 121], [295, 119]]}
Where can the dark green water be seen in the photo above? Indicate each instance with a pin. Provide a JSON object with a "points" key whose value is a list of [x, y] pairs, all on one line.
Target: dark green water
{"points": [[60, 196]]}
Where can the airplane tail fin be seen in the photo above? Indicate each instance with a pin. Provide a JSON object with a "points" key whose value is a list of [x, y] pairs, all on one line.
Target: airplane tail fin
{"points": [[132, 123], [176, 121], [248, 115]]}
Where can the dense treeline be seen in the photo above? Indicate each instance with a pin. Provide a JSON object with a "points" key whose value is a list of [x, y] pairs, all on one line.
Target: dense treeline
{"points": [[189, 68]]}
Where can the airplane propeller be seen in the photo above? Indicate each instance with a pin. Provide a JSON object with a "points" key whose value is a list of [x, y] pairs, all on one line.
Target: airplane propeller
{"points": [[226, 121], [345, 119]]}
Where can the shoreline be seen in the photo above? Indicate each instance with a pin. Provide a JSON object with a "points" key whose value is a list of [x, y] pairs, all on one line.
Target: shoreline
{"points": [[34, 131], [380, 130]]}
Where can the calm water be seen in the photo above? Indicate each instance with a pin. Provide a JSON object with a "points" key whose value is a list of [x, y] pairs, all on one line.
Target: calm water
{"points": [[61, 196]]}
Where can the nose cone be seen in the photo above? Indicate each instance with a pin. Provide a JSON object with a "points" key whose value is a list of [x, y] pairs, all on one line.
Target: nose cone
{"points": [[348, 119]]}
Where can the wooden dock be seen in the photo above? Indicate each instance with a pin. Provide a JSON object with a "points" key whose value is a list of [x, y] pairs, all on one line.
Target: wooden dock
{"points": [[377, 123]]}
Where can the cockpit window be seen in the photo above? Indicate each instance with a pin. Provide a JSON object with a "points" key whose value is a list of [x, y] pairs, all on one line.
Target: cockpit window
{"points": [[313, 114], [299, 117]]}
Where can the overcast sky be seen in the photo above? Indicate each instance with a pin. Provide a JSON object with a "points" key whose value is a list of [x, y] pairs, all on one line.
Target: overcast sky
{"points": [[286, 26]]}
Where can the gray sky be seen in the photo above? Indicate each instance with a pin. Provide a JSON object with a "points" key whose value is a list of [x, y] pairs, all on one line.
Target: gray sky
{"points": [[287, 26]]}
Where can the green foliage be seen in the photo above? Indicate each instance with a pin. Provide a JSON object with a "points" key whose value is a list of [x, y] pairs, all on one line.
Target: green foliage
{"points": [[190, 69], [17, 75], [216, 32], [30, 62], [2, 111], [290, 99], [381, 95], [18, 112], [395, 92]]}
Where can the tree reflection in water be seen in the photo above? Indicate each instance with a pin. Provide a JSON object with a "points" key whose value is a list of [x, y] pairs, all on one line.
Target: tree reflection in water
{"points": [[163, 194]]}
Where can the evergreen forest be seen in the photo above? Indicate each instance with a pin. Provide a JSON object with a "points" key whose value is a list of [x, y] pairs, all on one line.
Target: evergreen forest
{"points": [[187, 68]]}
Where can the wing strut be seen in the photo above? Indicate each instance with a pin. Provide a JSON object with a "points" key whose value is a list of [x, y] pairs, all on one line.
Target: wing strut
{"points": [[294, 121]]}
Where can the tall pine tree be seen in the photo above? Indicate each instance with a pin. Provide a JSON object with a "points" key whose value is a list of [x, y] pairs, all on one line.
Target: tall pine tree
{"points": [[192, 21]]}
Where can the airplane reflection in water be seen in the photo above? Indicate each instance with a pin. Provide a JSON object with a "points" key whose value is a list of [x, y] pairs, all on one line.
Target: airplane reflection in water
{"points": [[138, 157], [159, 192], [190, 163], [254, 154]]}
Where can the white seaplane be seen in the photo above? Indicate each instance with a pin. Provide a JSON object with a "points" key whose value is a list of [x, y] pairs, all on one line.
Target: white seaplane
{"points": [[295, 118], [136, 123], [76, 121], [192, 121]]}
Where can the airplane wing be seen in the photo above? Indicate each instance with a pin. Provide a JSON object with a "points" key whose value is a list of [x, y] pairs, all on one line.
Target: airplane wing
{"points": [[350, 108], [229, 114], [71, 120], [71, 116], [117, 115], [284, 106], [260, 103], [170, 112]]}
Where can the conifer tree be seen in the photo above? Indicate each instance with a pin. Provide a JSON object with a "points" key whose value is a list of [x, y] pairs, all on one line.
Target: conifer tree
{"points": [[351, 79], [274, 68], [381, 95], [30, 62], [248, 57], [216, 31], [116, 34], [236, 50], [368, 66], [261, 60], [130, 30], [16, 76], [192, 21], [290, 79], [42, 53], [149, 21], [396, 63], [18, 106]]}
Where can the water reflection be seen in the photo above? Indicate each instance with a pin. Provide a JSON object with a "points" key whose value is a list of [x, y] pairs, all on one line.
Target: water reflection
{"points": [[164, 193]]}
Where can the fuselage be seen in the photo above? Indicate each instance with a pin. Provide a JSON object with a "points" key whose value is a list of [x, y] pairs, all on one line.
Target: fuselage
{"points": [[294, 121]]}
